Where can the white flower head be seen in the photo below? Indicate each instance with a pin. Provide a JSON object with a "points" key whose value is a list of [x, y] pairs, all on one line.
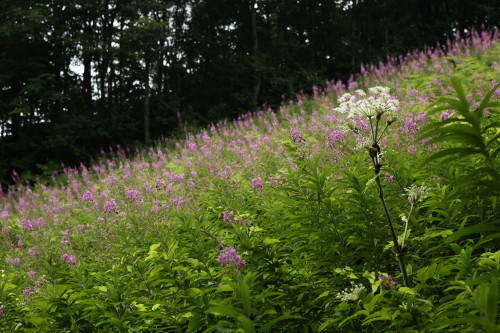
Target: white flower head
{"points": [[351, 294], [360, 93], [416, 193], [375, 104]]}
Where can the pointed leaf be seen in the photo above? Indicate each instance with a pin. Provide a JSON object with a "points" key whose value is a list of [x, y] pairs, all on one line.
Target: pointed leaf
{"points": [[460, 152], [270, 324], [485, 102], [457, 85]]}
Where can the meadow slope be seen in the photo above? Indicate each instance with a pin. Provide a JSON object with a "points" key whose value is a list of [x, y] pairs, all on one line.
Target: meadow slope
{"points": [[277, 221]]}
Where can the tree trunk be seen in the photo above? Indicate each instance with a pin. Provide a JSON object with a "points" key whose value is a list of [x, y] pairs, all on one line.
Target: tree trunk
{"points": [[255, 47], [87, 67], [146, 104]]}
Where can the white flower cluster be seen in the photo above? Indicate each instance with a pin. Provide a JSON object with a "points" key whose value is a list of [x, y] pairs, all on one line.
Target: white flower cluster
{"points": [[376, 103], [351, 294], [416, 193]]}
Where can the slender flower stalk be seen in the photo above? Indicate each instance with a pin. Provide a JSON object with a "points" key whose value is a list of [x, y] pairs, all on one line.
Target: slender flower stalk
{"points": [[374, 106]]}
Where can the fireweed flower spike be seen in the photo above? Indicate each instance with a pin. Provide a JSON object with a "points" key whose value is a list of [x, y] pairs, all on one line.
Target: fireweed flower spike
{"points": [[230, 258]]}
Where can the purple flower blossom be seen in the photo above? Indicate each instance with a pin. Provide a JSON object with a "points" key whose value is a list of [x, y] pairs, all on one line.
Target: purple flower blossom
{"points": [[68, 259], [410, 127], [257, 183], [335, 136], [424, 141], [31, 273], [230, 258], [275, 182], [388, 178], [411, 149], [133, 195], [1, 310], [27, 225], [227, 216], [445, 115], [87, 196], [27, 293], [177, 201], [297, 135], [33, 251], [388, 281], [80, 227], [110, 205]]}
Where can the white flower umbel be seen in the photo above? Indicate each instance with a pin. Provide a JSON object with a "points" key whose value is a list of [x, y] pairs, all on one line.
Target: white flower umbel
{"points": [[351, 294], [376, 103], [380, 109], [416, 193]]}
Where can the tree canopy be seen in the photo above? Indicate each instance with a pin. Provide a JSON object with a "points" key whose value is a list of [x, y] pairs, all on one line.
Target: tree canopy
{"points": [[149, 67]]}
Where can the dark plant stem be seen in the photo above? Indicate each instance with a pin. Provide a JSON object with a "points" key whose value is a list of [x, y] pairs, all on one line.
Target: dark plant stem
{"points": [[399, 249], [219, 243]]}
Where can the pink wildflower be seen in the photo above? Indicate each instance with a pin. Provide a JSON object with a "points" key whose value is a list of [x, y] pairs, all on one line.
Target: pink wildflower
{"points": [[388, 281], [227, 216], [110, 205], [33, 251], [297, 135], [229, 257], [388, 177], [68, 259], [257, 183], [87, 196]]}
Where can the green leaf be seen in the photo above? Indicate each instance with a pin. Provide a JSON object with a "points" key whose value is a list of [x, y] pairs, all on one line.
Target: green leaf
{"points": [[457, 85], [244, 290], [459, 152], [153, 247], [327, 323], [246, 324], [268, 241], [224, 310], [467, 139], [406, 290], [487, 299], [194, 322], [485, 102]]}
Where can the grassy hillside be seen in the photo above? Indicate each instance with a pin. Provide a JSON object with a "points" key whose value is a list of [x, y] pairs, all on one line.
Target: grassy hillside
{"points": [[366, 208]]}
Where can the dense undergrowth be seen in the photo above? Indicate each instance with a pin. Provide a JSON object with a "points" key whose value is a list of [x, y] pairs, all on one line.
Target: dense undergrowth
{"points": [[275, 223]]}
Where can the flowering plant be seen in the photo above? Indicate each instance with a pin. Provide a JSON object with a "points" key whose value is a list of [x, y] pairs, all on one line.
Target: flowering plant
{"points": [[373, 106]]}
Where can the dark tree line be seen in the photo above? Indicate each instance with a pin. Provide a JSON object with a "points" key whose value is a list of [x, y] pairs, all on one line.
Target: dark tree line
{"points": [[76, 76]]}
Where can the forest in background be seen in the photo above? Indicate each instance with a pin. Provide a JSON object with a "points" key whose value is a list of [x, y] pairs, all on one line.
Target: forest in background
{"points": [[79, 76]]}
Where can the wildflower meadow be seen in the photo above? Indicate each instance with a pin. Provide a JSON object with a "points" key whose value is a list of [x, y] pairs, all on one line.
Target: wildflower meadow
{"points": [[370, 206]]}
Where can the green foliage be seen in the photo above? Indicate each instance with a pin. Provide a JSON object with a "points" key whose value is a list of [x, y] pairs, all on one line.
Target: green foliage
{"points": [[468, 133], [141, 245]]}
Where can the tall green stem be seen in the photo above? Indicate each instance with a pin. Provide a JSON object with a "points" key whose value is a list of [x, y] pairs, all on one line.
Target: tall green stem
{"points": [[399, 250], [406, 224]]}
